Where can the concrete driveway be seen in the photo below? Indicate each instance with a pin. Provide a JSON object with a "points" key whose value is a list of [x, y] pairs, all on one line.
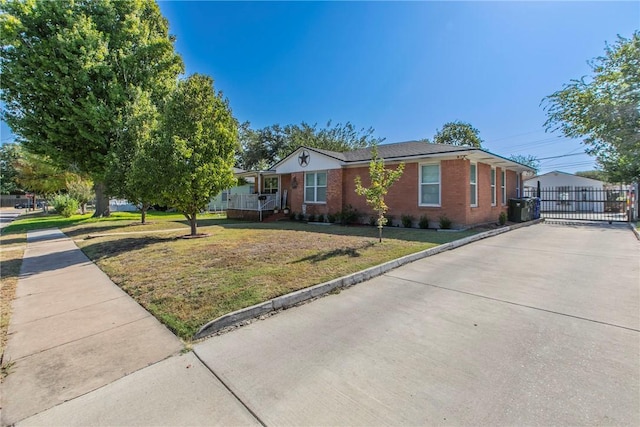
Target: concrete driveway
{"points": [[539, 326]]}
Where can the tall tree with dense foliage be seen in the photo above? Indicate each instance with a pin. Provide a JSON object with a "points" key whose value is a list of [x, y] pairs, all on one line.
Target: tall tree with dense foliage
{"points": [[40, 175], [197, 148], [131, 171], [594, 174], [263, 147], [603, 109], [458, 133], [68, 69], [9, 155], [381, 180], [526, 159]]}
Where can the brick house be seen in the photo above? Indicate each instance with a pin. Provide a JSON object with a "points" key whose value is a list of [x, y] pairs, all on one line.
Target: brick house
{"points": [[468, 185]]}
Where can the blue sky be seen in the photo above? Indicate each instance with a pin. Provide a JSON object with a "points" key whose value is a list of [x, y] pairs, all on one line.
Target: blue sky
{"points": [[403, 68]]}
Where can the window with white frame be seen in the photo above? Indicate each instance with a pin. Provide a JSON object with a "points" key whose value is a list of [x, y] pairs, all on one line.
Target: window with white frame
{"points": [[271, 185], [493, 186], [473, 188], [315, 187], [429, 185], [503, 186]]}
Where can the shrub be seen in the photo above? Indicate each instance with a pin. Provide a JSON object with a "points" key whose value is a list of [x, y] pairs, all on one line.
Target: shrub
{"points": [[292, 216], [407, 220], [65, 205], [373, 221], [300, 217], [312, 218], [502, 219], [445, 223], [331, 218], [423, 222], [390, 219], [349, 215]]}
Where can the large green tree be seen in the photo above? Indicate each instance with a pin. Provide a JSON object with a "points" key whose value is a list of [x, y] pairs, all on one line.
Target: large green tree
{"points": [[197, 148], [263, 147], [40, 175], [458, 133], [68, 69], [9, 155], [526, 159], [604, 110], [131, 169]]}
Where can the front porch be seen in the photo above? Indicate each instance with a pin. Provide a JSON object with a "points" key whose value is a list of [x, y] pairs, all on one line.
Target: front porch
{"points": [[266, 199]]}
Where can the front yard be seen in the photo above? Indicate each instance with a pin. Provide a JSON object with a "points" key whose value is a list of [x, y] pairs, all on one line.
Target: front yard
{"points": [[188, 282]]}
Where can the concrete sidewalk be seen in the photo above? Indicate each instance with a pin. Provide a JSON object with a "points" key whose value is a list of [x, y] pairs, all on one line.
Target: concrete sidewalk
{"points": [[73, 331]]}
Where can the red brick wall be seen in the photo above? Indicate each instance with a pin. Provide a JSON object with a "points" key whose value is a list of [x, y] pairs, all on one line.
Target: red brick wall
{"points": [[402, 198], [484, 212], [334, 192], [511, 185], [296, 195]]}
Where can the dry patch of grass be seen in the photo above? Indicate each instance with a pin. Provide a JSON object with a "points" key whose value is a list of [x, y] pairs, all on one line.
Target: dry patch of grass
{"points": [[186, 283], [11, 252]]}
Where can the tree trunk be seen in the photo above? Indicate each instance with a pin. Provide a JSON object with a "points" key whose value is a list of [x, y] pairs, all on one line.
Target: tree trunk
{"points": [[194, 225], [102, 200], [143, 210]]}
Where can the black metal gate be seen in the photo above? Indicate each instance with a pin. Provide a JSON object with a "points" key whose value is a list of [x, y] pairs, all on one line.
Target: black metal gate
{"points": [[582, 203]]}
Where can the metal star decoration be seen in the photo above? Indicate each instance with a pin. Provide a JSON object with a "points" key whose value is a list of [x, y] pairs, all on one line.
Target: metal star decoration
{"points": [[303, 158]]}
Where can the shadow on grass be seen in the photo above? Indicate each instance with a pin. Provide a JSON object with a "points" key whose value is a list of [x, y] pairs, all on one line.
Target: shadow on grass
{"points": [[11, 268], [405, 234], [323, 256], [40, 221], [83, 231], [111, 248], [15, 241], [208, 222]]}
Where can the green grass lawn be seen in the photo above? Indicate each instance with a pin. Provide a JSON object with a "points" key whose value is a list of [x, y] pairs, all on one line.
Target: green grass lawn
{"points": [[188, 282]]}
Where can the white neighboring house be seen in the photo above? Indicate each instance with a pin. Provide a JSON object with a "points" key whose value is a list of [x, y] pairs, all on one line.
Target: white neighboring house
{"points": [[121, 205], [567, 192], [221, 201]]}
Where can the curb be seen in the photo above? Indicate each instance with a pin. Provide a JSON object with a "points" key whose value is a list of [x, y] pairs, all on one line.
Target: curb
{"points": [[635, 230], [294, 298]]}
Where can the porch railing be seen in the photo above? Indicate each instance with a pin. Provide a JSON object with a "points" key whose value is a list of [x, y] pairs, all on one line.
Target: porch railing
{"points": [[251, 202]]}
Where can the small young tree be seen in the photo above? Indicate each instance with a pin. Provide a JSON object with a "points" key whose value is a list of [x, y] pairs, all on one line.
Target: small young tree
{"points": [[381, 180], [81, 190], [197, 147]]}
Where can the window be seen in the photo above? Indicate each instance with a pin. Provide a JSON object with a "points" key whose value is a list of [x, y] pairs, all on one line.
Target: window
{"points": [[493, 186], [503, 186], [474, 184], [429, 185], [315, 187], [270, 185]]}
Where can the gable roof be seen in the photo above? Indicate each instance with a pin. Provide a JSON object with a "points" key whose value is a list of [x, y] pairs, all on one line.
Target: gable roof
{"points": [[563, 173], [392, 151], [408, 150]]}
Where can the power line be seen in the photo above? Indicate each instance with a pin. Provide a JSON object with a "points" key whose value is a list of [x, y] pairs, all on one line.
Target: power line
{"points": [[562, 155]]}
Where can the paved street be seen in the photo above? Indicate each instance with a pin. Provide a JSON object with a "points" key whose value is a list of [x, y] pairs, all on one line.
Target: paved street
{"points": [[7, 215], [539, 326]]}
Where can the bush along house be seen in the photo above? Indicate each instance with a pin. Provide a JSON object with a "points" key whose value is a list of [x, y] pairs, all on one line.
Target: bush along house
{"points": [[466, 185]]}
